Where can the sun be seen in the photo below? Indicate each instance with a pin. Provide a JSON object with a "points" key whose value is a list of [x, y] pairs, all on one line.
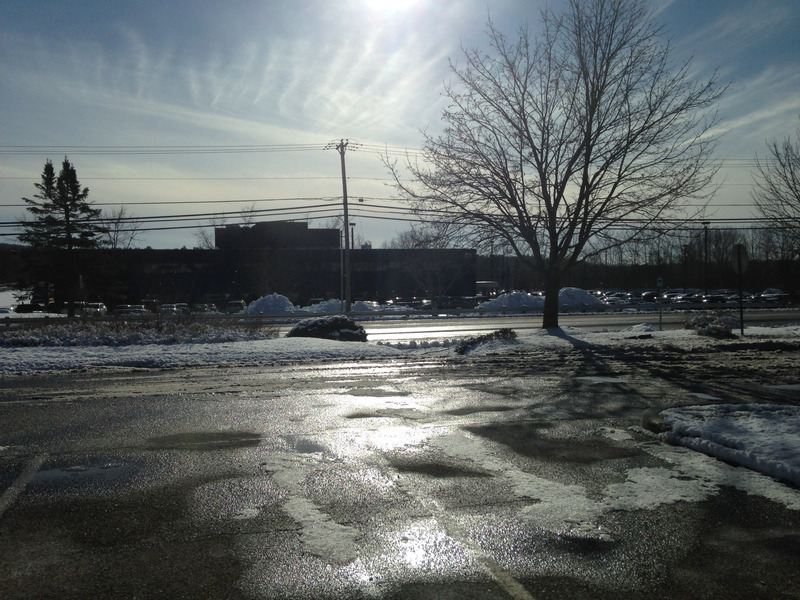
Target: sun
{"points": [[390, 7]]}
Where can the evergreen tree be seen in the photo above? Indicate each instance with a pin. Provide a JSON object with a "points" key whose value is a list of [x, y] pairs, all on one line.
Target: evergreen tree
{"points": [[64, 224], [64, 219]]}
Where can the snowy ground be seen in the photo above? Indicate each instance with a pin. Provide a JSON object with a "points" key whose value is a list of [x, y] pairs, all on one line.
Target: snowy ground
{"points": [[763, 437]]}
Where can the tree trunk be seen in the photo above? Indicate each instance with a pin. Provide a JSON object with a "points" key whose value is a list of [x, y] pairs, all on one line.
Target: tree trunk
{"points": [[552, 285]]}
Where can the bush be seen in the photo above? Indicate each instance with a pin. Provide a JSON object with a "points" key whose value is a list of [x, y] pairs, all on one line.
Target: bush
{"points": [[501, 334], [335, 327], [718, 326]]}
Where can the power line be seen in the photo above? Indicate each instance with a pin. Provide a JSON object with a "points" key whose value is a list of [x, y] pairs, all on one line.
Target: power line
{"points": [[295, 178], [190, 149]]}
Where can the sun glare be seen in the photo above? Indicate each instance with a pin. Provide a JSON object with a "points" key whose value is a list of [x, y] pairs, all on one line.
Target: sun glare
{"points": [[390, 7]]}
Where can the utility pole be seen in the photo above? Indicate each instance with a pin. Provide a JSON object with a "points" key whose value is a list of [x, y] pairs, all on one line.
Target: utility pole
{"points": [[341, 147], [705, 253]]}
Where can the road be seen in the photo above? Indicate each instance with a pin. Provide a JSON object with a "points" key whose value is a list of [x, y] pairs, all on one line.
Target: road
{"points": [[464, 478]]}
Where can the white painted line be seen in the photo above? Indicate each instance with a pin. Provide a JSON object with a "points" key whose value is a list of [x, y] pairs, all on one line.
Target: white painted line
{"points": [[8, 497], [501, 577]]}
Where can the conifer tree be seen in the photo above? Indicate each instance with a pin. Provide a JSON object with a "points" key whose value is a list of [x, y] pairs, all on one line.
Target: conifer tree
{"points": [[63, 224], [64, 218]]}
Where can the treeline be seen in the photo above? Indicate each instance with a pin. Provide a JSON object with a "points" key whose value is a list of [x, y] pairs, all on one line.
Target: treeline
{"points": [[698, 259]]}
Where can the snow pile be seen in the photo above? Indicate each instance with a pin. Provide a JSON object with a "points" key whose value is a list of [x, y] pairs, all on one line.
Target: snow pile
{"points": [[274, 304], [7, 299], [360, 306], [576, 297], [761, 437], [514, 301], [24, 361], [642, 328], [568, 299], [331, 306]]}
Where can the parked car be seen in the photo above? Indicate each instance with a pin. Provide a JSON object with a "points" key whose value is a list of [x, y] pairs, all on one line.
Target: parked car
{"points": [[235, 306], [29, 308], [168, 309], [458, 302], [613, 300], [714, 299], [203, 308], [689, 298], [62, 308], [130, 310], [95, 309]]}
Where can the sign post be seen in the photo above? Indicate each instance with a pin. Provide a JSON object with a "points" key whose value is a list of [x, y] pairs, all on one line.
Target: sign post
{"points": [[660, 286], [739, 262]]}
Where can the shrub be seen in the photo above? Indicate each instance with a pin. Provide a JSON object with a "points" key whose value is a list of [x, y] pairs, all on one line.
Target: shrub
{"points": [[501, 334], [335, 327], [718, 326]]}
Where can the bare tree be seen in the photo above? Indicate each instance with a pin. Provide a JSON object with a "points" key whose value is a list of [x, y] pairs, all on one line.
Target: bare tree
{"points": [[206, 236], [250, 214], [120, 228], [777, 191], [553, 141], [422, 235]]}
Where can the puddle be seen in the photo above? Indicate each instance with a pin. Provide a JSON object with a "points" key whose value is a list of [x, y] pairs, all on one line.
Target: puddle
{"points": [[703, 396], [76, 474], [600, 379], [206, 440], [303, 445], [376, 393], [471, 410]]}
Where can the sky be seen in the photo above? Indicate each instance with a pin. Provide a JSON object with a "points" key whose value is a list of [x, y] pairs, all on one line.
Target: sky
{"points": [[196, 107]]}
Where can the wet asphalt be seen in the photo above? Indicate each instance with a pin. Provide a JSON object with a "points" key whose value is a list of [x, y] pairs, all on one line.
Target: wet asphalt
{"points": [[421, 479]]}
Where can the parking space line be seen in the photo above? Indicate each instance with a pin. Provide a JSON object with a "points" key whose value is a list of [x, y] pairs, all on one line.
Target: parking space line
{"points": [[503, 578], [20, 482]]}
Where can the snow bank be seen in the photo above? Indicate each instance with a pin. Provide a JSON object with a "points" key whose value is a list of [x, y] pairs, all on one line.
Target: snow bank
{"points": [[515, 300], [274, 304], [761, 437], [21, 361], [7, 300], [331, 306], [568, 299], [574, 297]]}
